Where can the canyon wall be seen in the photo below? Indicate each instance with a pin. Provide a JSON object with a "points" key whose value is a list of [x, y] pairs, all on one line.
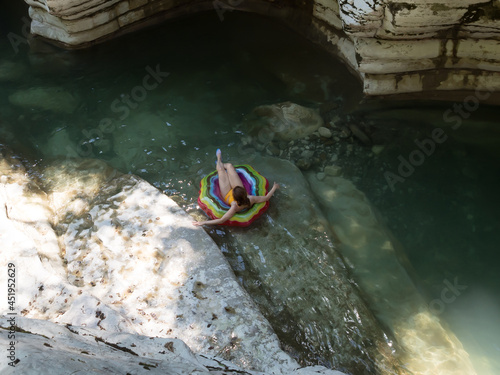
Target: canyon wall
{"points": [[393, 46]]}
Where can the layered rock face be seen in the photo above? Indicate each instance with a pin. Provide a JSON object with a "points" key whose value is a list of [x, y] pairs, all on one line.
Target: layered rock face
{"points": [[394, 46], [415, 45]]}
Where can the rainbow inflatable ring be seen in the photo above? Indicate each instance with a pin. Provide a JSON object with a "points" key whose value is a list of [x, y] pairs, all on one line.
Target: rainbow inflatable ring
{"points": [[214, 205]]}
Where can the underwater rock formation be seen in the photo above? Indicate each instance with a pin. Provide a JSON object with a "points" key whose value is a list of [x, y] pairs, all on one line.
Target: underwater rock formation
{"points": [[394, 46], [54, 99], [371, 252], [302, 280], [109, 256], [285, 121]]}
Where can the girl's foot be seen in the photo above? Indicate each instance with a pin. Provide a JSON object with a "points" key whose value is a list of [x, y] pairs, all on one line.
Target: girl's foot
{"points": [[219, 156]]}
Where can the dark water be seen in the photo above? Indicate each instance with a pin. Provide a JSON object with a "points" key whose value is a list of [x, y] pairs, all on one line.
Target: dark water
{"points": [[206, 75]]}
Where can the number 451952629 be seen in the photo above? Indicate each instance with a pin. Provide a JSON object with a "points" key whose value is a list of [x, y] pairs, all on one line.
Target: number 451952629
{"points": [[11, 286]]}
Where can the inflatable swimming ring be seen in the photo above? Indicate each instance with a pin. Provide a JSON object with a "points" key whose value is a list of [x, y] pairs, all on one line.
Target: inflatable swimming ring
{"points": [[214, 205]]}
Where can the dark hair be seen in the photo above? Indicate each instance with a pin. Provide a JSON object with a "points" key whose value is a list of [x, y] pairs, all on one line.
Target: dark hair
{"points": [[240, 196]]}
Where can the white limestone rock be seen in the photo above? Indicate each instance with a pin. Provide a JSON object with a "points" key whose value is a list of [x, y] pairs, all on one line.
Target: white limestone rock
{"points": [[328, 11], [46, 348], [403, 33], [110, 253]]}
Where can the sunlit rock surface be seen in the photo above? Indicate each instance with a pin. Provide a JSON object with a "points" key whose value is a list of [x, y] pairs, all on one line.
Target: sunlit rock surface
{"points": [[108, 252], [290, 261], [49, 348], [371, 251], [394, 46]]}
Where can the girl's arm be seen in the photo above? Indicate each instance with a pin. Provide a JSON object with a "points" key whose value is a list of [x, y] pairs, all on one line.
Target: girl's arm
{"points": [[265, 198], [228, 215]]}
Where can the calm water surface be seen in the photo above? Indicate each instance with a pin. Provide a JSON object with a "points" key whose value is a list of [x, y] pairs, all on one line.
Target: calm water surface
{"points": [[207, 75]]}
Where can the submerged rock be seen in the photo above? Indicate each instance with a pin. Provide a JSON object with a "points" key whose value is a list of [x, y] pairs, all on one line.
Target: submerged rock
{"points": [[325, 132], [112, 257], [11, 71], [139, 135], [47, 98], [60, 144], [285, 121], [370, 249], [333, 170], [302, 282]]}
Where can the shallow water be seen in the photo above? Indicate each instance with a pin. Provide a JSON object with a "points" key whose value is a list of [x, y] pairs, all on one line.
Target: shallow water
{"points": [[205, 77]]}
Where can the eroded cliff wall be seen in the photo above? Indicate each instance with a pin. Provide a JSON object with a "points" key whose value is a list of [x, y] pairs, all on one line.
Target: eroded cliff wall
{"points": [[394, 46]]}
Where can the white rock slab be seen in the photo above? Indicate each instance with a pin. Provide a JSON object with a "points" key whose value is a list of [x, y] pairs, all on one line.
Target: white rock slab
{"points": [[109, 252], [46, 348]]}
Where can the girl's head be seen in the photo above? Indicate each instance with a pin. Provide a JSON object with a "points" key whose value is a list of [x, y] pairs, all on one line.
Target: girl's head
{"points": [[240, 196]]}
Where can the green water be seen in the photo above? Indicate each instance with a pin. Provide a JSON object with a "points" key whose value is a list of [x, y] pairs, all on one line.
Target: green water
{"points": [[205, 76]]}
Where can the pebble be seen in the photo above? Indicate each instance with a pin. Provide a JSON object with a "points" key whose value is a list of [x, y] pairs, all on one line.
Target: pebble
{"points": [[320, 176], [377, 149], [307, 154], [325, 132], [282, 145], [358, 133], [345, 132], [333, 170], [273, 150], [303, 164]]}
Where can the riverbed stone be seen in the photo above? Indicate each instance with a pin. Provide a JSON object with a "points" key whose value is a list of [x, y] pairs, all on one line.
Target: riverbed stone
{"points": [[285, 121], [333, 170], [109, 253], [377, 149], [60, 144], [325, 132], [11, 71], [48, 98]]}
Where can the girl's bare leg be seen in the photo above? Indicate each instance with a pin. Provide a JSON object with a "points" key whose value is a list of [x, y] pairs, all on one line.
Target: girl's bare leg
{"points": [[234, 179], [224, 182]]}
